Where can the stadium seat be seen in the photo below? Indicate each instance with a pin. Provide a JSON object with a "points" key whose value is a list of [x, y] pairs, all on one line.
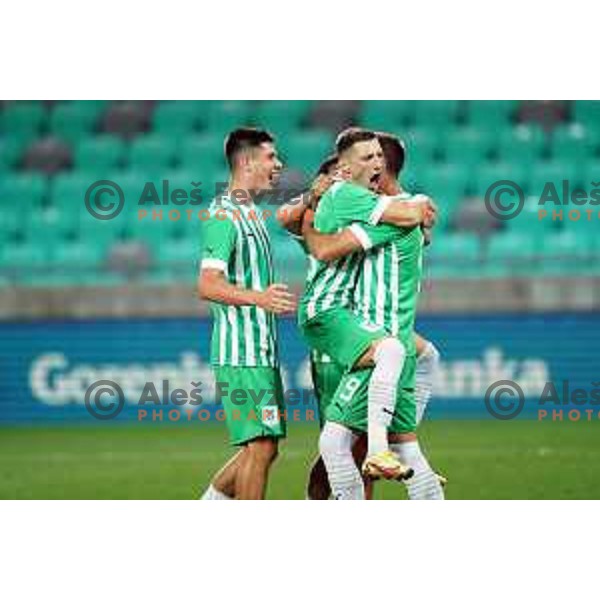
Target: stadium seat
{"points": [[587, 112], [23, 190], [566, 253], [442, 114], [23, 119], [387, 114], [222, 117], [469, 145], [524, 144], [201, 154], [282, 117], [152, 152], [307, 150], [29, 255], [495, 114], [555, 172], [74, 121], [514, 253], [99, 154], [11, 221], [574, 143], [455, 255], [68, 190], [484, 176], [11, 151], [177, 118]]}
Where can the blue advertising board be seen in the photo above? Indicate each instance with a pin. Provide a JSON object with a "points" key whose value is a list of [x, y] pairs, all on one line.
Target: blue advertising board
{"points": [[46, 367]]}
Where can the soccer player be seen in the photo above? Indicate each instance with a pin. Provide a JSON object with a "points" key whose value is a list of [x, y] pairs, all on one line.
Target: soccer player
{"points": [[236, 276], [326, 320], [386, 297], [326, 374]]}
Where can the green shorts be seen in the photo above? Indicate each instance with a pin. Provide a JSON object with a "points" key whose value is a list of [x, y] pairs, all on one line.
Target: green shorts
{"points": [[342, 335], [326, 377], [253, 402], [349, 404]]}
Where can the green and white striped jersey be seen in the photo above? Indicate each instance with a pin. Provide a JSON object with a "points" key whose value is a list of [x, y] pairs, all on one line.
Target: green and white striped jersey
{"points": [[235, 241], [331, 285], [389, 282]]}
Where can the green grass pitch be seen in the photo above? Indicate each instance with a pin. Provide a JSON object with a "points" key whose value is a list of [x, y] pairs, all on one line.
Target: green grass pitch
{"points": [[503, 460]]}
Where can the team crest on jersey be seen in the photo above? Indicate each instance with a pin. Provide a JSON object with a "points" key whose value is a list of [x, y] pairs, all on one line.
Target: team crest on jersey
{"points": [[270, 416]]}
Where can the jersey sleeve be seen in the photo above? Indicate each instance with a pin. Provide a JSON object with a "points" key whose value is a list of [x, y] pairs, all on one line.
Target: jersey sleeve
{"points": [[353, 203], [371, 236], [218, 243]]}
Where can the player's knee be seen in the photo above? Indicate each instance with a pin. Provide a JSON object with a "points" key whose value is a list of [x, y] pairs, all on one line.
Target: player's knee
{"points": [[390, 348]]}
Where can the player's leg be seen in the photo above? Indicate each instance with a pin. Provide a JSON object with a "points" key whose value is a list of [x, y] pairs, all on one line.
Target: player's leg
{"points": [[335, 446], [387, 355], [318, 481], [326, 376], [256, 426], [359, 452], [424, 484], [222, 485], [354, 344], [252, 475], [428, 359]]}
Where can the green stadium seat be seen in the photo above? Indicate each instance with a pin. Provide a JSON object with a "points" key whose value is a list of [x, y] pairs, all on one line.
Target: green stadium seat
{"points": [[11, 151], [30, 255], [152, 152], [455, 255], [482, 177], [387, 114], [573, 143], [11, 220], [24, 119], [282, 116], [53, 223], [514, 253], [222, 117], [552, 172], [441, 114], [566, 254], [495, 114], [74, 121], [529, 221], [180, 117], [587, 112], [469, 145], [446, 182], [306, 151], [68, 190], [99, 154], [524, 144], [422, 145], [78, 253], [202, 154], [23, 190]]}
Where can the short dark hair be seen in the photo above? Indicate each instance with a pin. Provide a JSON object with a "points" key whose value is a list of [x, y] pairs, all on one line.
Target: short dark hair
{"points": [[347, 138], [393, 151], [327, 164], [244, 138]]}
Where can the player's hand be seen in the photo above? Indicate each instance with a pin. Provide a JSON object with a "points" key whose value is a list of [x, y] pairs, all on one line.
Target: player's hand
{"points": [[277, 299], [430, 214], [308, 220], [319, 186]]}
